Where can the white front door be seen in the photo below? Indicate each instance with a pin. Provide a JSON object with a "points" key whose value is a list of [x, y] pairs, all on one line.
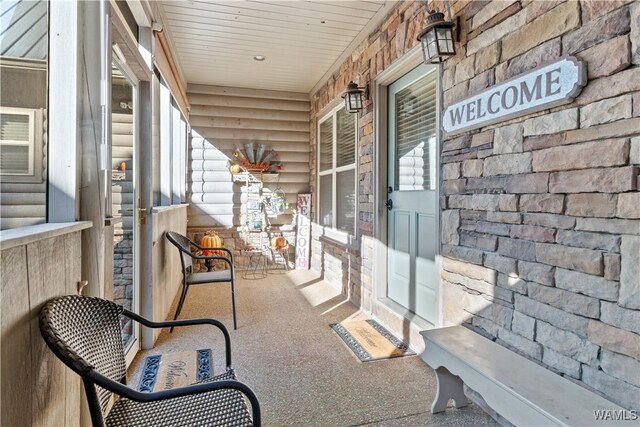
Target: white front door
{"points": [[412, 196]]}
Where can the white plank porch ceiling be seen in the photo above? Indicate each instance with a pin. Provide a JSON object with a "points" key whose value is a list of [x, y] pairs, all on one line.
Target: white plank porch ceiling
{"points": [[217, 40]]}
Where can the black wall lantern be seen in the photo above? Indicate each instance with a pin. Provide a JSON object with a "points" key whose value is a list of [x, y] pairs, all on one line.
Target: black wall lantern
{"points": [[353, 97], [437, 38]]}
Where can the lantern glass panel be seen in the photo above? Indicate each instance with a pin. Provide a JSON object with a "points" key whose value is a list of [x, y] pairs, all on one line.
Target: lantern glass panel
{"points": [[353, 102], [357, 100], [432, 49], [445, 40], [430, 36]]}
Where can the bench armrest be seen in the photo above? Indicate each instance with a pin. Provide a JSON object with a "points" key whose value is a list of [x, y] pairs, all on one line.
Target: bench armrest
{"points": [[188, 322]]}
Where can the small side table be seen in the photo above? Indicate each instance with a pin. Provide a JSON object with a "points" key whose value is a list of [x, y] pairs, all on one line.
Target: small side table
{"points": [[256, 264]]}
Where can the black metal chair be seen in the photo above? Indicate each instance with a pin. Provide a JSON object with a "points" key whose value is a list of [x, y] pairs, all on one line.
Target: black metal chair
{"points": [[84, 332], [190, 278]]}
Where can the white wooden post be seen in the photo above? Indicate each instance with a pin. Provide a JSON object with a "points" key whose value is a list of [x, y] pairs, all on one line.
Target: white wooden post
{"points": [[145, 190], [63, 129]]}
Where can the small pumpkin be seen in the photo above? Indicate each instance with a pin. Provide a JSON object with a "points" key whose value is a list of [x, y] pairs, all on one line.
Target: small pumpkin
{"points": [[211, 240], [235, 168], [278, 242]]}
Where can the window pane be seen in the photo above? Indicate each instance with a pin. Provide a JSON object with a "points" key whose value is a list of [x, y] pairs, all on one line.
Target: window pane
{"points": [[326, 197], [326, 144], [14, 127], [416, 135], [346, 138], [346, 201], [14, 159]]}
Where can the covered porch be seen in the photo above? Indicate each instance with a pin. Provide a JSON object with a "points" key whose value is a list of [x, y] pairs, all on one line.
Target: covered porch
{"points": [[301, 370], [475, 189]]}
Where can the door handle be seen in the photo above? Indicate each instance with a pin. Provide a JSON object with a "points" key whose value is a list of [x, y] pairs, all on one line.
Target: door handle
{"points": [[140, 210], [389, 204]]}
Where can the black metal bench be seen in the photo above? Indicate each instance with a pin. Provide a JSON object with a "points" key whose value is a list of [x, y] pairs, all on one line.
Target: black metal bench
{"points": [[84, 332]]}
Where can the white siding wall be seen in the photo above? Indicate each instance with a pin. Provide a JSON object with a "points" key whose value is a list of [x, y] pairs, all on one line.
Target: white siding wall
{"points": [[24, 204], [225, 118]]}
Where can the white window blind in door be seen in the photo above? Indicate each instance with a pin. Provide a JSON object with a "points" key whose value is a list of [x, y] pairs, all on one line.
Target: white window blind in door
{"points": [[416, 135], [16, 141]]}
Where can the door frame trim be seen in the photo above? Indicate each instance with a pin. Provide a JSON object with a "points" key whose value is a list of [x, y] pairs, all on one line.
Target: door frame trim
{"points": [[380, 83]]}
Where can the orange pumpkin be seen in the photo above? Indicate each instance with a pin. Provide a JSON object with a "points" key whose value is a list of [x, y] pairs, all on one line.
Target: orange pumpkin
{"points": [[278, 242], [211, 240]]}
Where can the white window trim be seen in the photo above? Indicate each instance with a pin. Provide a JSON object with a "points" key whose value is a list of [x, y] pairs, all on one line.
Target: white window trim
{"points": [[34, 143], [340, 236]]}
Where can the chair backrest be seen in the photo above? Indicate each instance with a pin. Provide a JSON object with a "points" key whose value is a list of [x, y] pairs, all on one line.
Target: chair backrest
{"points": [[184, 246], [84, 332]]}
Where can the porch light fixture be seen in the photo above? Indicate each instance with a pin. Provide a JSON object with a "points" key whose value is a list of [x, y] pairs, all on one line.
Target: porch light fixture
{"points": [[259, 57], [437, 38], [353, 97]]}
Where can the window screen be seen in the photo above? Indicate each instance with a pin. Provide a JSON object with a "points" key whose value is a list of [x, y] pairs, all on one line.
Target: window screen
{"points": [[16, 143]]}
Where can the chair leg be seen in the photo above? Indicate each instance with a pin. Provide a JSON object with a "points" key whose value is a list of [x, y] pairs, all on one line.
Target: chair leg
{"points": [[180, 303], [233, 304]]}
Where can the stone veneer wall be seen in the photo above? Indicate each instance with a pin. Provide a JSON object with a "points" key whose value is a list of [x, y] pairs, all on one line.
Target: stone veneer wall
{"points": [[123, 267], [123, 275], [351, 267], [540, 214]]}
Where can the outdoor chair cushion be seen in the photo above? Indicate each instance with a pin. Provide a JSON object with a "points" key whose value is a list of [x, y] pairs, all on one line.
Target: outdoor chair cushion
{"points": [[209, 277], [219, 408]]}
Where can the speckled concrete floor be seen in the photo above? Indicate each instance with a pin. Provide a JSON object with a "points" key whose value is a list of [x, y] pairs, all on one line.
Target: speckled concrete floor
{"points": [[301, 371]]}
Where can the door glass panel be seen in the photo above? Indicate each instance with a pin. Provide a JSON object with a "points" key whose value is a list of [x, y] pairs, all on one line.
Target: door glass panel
{"points": [[123, 196], [326, 196], [346, 138], [346, 201], [416, 135], [412, 279], [326, 144]]}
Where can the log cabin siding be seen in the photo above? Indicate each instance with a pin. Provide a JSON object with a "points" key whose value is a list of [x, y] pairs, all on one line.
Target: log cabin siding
{"points": [[223, 119], [25, 203], [122, 151]]}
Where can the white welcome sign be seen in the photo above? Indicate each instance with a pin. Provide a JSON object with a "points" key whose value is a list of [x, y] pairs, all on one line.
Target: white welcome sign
{"points": [[543, 87], [303, 235]]}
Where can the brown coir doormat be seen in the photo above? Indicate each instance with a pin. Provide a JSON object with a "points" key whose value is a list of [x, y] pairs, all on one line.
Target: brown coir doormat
{"points": [[173, 370], [370, 341]]}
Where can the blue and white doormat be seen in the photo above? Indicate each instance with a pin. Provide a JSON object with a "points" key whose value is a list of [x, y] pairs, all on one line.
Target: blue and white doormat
{"points": [[174, 370]]}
